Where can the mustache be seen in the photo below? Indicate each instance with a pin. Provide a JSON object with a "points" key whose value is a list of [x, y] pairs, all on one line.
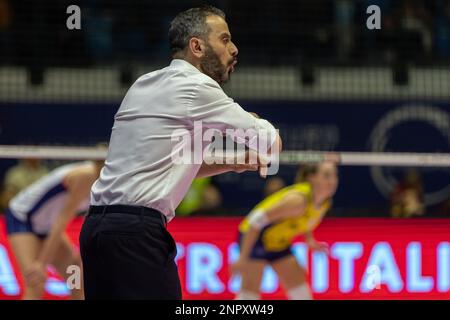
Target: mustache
{"points": [[234, 60]]}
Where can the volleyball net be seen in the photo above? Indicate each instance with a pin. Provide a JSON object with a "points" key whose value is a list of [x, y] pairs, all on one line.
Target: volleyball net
{"points": [[289, 157]]}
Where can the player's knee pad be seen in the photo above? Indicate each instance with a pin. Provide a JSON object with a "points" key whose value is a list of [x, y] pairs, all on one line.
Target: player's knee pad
{"points": [[301, 292], [247, 295]]}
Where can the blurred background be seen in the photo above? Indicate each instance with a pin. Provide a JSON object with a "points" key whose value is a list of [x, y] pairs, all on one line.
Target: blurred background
{"points": [[310, 66]]}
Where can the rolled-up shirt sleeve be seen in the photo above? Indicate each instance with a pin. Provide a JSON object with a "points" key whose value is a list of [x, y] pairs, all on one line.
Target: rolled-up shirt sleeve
{"points": [[216, 110]]}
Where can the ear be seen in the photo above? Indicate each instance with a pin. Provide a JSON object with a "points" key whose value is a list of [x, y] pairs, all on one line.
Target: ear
{"points": [[196, 47]]}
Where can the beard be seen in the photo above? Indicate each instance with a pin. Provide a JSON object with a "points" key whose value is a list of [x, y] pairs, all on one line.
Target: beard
{"points": [[213, 67]]}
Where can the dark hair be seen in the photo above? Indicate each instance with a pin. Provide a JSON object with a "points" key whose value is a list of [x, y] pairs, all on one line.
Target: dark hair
{"points": [[188, 24], [305, 171]]}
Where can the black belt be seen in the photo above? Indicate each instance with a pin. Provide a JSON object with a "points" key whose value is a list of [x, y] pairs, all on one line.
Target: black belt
{"points": [[134, 210]]}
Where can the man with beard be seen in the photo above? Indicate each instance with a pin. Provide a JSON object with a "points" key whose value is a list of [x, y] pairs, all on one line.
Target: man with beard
{"points": [[126, 250]]}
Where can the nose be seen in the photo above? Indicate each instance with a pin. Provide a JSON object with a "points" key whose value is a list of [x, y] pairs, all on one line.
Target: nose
{"points": [[234, 50]]}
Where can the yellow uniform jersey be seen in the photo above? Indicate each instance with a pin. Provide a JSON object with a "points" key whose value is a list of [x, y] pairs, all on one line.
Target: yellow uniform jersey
{"points": [[278, 236]]}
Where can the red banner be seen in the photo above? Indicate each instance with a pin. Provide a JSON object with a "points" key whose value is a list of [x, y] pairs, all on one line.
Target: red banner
{"points": [[369, 259]]}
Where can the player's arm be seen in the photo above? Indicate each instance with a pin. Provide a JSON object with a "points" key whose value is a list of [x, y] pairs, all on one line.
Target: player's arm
{"points": [[309, 236], [313, 244], [292, 204], [78, 189]]}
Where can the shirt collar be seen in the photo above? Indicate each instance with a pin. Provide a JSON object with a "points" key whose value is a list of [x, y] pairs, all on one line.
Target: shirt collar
{"points": [[183, 64]]}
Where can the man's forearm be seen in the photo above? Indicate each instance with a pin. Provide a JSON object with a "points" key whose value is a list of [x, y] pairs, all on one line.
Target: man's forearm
{"points": [[208, 170], [238, 164]]}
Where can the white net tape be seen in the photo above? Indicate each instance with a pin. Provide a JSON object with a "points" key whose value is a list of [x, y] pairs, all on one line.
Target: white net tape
{"points": [[286, 157], [368, 158], [52, 152]]}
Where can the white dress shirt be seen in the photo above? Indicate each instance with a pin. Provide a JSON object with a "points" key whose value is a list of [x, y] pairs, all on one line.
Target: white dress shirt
{"points": [[139, 168]]}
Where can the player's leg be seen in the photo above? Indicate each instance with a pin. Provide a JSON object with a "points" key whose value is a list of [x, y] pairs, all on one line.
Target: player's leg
{"points": [[251, 280], [26, 248], [292, 277], [66, 256]]}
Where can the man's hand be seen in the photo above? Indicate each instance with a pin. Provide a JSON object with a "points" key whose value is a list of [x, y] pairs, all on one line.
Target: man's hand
{"points": [[263, 166], [279, 143], [253, 162], [36, 274]]}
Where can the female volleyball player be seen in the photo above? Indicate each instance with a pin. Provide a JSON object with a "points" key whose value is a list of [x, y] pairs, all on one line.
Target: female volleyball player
{"points": [[266, 234], [37, 218]]}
